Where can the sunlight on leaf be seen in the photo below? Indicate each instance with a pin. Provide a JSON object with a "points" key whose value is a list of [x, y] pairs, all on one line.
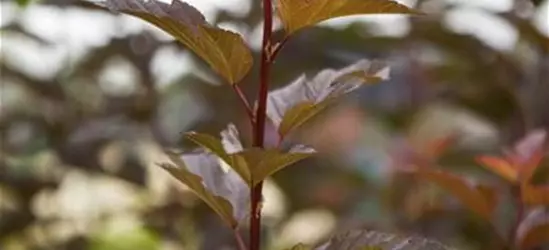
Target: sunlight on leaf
{"points": [[223, 50], [296, 15], [534, 229], [293, 105], [471, 197], [225, 192], [230, 139], [265, 162], [364, 239]]}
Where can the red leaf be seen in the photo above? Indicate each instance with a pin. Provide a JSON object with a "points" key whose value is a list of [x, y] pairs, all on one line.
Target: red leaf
{"points": [[535, 195], [536, 236], [530, 166], [471, 197], [500, 167], [437, 147], [534, 229], [489, 194]]}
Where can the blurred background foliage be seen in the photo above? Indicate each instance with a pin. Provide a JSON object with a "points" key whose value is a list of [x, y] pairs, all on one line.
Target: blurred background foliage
{"points": [[89, 100]]}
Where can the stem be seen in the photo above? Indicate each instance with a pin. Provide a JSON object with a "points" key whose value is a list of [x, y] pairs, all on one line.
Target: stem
{"points": [[239, 240], [245, 102], [519, 214], [278, 47], [259, 128]]}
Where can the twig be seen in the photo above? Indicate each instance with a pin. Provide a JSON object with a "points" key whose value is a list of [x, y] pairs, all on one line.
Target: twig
{"points": [[239, 240], [245, 102], [277, 49]]}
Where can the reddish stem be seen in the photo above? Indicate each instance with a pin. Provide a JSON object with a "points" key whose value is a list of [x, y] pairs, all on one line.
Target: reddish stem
{"points": [[259, 128]]}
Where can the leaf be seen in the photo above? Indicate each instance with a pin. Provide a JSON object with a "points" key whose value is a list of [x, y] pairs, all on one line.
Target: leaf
{"points": [[436, 147], [490, 195], [296, 15], [223, 50], [265, 162], [470, 196], [210, 143], [291, 106], [534, 229], [500, 167], [225, 192], [252, 165], [23, 3], [535, 195], [529, 167], [364, 239], [536, 237], [530, 145], [528, 154], [223, 148]]}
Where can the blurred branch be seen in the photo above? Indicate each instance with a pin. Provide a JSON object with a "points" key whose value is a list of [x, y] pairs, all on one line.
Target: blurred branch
{"points": [[45, 88]]}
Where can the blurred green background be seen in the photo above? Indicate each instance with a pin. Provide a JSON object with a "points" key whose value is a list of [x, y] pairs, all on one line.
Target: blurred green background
{"points": [[89, 100]]}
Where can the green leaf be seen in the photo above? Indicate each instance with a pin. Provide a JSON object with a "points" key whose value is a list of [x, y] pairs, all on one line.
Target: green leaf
{"points": [[112, 238], [296, 15], [225, 51], [23, 3], [364, 239], [225, 192], [263, 163], [476, 199], [293, 105]]}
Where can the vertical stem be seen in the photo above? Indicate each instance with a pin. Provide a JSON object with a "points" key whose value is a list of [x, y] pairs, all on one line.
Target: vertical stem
{"points": [[519, 215], [259, 128]]}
